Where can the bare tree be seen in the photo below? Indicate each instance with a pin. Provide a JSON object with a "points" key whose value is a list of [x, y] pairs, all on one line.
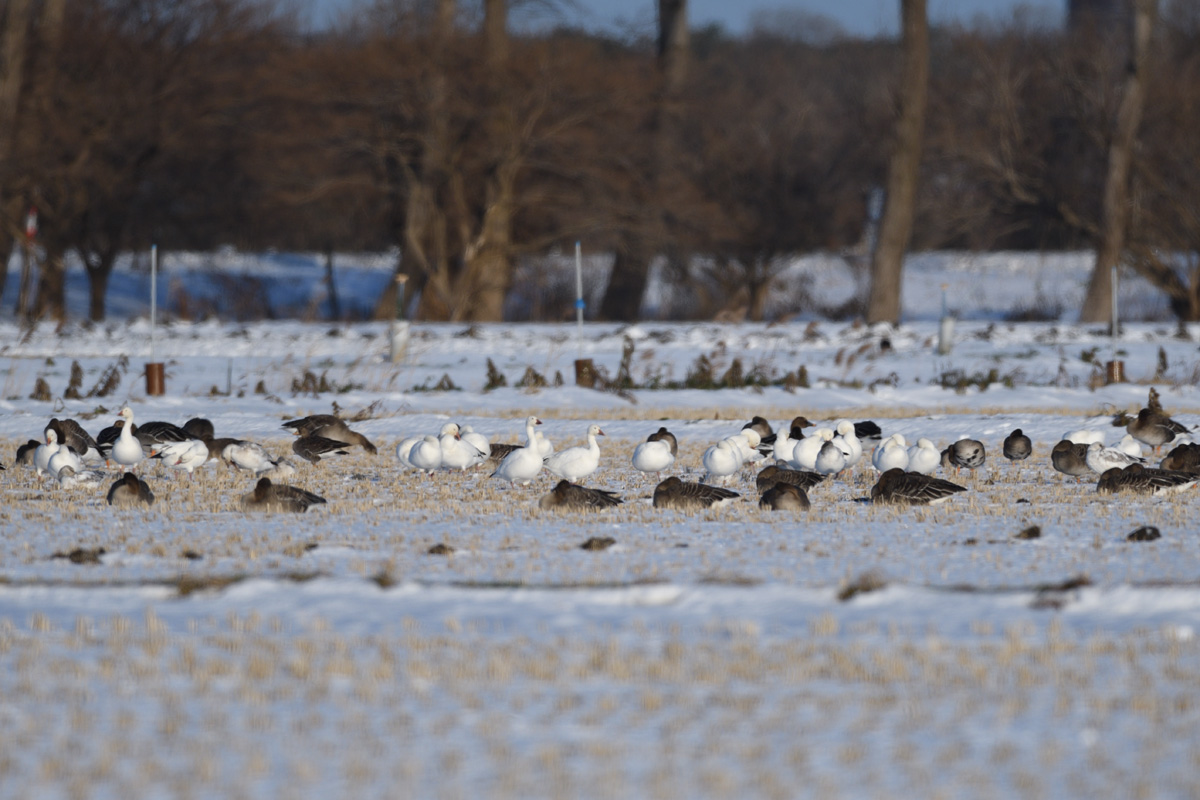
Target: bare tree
{"points": [[635, 248], [1097, 303], [895, 228]]}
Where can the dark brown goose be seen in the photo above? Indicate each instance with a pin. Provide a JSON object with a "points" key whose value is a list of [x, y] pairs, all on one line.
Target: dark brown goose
{"points": [[25, 452], [311, 448], [71, 434], [898, 487], [1017, 446], [330, 427], [784, 497], [567, 496], [1183, 457], [1139, 480], [1070, 458], [796, 477], [269, 496], [687, 496], [664, 435], [130, 490], [1154, 428], [199, 428]]}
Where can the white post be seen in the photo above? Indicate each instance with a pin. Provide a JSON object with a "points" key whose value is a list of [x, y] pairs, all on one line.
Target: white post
{"points": [[153, 295], [579, 296]]}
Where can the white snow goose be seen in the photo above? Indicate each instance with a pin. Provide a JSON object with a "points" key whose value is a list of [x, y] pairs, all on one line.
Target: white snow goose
{"points": [[891, 454], [426, 455], [924, 457], [655, 454], [456, 453], [577, 462], [522, 465], [126, 450]]}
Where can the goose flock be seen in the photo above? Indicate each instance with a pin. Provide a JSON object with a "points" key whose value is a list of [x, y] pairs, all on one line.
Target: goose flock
{"points": [[786, 465]]}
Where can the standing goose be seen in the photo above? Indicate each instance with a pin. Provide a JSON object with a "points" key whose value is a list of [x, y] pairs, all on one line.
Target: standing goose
{"points": [[126, 450], [567, 496], [426, 455], [891, 454], [130, 490], [923, 457], [721, 461], [830, 460], [404, 450], [1017, 446], [274, 497], [1070, 458], [847, 441], [522, 465], [330, 427], [687, 496], [1154, 428], [657, 453], [45, 452], [476, 440], [804, 455], [967, 453], [577, 462]]}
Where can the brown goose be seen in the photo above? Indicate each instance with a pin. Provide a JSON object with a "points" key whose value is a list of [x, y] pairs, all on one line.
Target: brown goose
{"points": [[269, 496], [795, 477], [1184, 457], [25, 452], [311, 448], [664, 435], [199, 428], [1154, 428], [130, 490], [569, 496], [1139, 480], [1017, 446], [687, 496], [1070, 458], [784, 497], [796, 430], [330, 427], [71, 434], [759, 425], [898, 487]]}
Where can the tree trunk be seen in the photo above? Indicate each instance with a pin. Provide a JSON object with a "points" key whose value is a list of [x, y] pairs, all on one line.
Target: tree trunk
{"points": [[895, 228], [98, 291], [335, 308], [490, 274], [51, 298], [1097, 304], [7, 240], [631, 267]]}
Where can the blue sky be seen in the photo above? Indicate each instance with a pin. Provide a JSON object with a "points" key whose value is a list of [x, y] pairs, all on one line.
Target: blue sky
{"points": [[859, 17]]}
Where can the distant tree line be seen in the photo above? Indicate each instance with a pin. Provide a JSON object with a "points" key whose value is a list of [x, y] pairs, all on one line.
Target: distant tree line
{"points": [[432, 127]]}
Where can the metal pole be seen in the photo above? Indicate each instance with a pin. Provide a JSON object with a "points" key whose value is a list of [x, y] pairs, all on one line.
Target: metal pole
{"points": [[153, 295], [579, 294]]}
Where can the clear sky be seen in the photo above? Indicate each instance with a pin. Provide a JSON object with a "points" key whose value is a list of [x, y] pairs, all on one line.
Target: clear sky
{"points": [[858, 17]]}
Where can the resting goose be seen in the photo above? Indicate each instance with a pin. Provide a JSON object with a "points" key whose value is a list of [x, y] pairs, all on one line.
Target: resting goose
{"points": [[268, 496], [253, 458], [456, 453], [312, 447], [426, 455], [923, 457], [721, 461], [1100, 459], [63, 457], [898, 487], [891, 454], [567, 496], [795, 477], [186, 455], [686, 496], [784, 497], [1017, 446], [68, 478], [130, 490]]}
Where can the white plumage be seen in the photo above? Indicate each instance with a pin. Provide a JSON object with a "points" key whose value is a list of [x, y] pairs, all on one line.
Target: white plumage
{"points": [[184, 455], [923, 457], [127, 450], [721, 461], [890, 454], [577, 462], [404, 450], [427, 454], [1084, 436], [804, 454], [523, 464], [1100, 458], [831, 459], [653, 456]]}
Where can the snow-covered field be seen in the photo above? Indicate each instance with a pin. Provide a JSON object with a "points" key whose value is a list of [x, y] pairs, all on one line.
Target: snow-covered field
{"points": [[853, 651]]}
